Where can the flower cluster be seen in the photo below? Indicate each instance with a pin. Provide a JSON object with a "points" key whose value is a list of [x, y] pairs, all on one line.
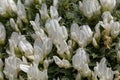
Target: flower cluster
{"points": [[38, 42]]}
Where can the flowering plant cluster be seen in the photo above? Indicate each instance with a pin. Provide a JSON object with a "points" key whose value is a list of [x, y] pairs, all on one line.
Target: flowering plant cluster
{"points": [[59, 40]]}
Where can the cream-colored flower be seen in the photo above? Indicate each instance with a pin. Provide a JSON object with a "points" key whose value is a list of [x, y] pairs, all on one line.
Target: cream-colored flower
{"points": [[7, 7], [3, 8], [90, 7], [108, 5], [44, 12], [14, 25], [42, 49], [55, 3], [53, 12], [115, 29], [82, 35], [80, 62], [21, 11], [13, 43], [59, 35], [39, 32], [107, 17], [47, 62], [11, 68], [34, 73], [62, 63], [27, 48], [102, 71], [12, 5]]}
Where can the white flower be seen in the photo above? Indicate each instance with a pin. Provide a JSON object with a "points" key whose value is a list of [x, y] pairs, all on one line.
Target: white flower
{"points": [[11, 68], [39, 32], [44, 12], [107, 17], [53, 12], [13, 42], [102, 71], [21, 11], [82, 35], [19, 23], [12, 5], [2, 34], [24, 67], [63, 50], [80, 62], [112, 27], [47, 62], [59, 35], [95, 44], [38, 55], [3, 8], [55, 3], [55, 31], [42, 49], [97, 35], [87, 31], [7, 7], [14, 25], [34, 73], [115, 29], [108, 4], [62, 63], [27, 48], [90, 7]]}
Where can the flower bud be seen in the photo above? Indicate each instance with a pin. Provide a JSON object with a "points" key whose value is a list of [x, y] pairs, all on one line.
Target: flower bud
{"points": [[62, 63], [27, 48], [21, 11], [53, 12], [14, 25], [44, 12]]}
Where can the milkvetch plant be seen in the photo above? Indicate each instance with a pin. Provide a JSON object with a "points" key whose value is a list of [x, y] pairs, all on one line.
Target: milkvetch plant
{"points": [[59, 40]]}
